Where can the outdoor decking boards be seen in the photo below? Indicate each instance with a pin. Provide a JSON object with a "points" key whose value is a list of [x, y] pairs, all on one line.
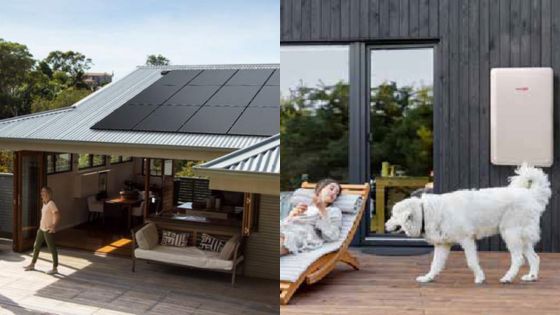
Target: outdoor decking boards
{"points": [[386, 285], [90, 284]]}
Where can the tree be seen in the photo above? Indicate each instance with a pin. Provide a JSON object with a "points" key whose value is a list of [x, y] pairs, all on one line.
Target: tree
{"points": [[15, 64], [314, 134], [157, 60], [65, 98], [70, 63], [314, 131]]}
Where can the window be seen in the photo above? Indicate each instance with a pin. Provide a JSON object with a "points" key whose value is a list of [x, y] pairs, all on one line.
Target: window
{"points": [[91, 160], [157, 167], [401, 115], [59, 163], [116, 159], [314, 113]]}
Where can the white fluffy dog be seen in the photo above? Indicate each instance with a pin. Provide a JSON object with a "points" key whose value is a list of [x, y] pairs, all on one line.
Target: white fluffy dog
{"points": [[463, 216]]}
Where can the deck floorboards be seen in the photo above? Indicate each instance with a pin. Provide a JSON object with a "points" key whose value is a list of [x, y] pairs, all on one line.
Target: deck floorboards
{"points": [[386, 285]]}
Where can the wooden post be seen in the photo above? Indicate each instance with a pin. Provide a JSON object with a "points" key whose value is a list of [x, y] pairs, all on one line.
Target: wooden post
{"points": [[146, 187], [16, 201]]}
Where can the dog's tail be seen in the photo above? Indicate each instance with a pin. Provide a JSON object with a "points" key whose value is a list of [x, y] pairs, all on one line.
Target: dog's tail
{"points": [[534, 179]]}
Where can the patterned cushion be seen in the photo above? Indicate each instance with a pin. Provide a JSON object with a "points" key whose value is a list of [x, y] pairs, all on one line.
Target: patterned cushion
{"points": [[178, 239], [210, 243]]}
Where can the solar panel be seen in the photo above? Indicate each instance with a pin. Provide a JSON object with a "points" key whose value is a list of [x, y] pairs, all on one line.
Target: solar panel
{"points": [[193, 95], [125, 117], [262, 121], [268, 96], [250, 77], [234, 96], [274, 78], [167, 118], [212, 119], [178, 77], [214, 101], [213, 77], [155, 94]]}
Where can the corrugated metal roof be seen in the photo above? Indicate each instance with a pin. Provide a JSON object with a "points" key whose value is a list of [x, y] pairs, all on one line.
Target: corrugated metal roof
{"points": [[73, 124], [263, 157]]}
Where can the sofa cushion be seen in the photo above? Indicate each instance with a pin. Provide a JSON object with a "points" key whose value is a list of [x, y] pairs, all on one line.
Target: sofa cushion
{"points": [[147, 236], [208, 242], [186, 256], [228, 249], [171, 238]]}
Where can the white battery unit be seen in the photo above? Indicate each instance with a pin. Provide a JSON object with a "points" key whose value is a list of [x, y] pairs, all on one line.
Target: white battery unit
{"points": [[521, 113]]}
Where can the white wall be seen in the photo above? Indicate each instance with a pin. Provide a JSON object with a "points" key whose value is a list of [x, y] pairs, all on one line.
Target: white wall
{"points": [[72, 188]]}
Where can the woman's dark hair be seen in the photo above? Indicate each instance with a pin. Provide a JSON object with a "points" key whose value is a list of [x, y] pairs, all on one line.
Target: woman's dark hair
{"points": [[324, 183]]}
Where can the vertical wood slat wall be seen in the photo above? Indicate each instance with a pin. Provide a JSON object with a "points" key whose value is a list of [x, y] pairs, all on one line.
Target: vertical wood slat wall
{"points": [[472, 37]]}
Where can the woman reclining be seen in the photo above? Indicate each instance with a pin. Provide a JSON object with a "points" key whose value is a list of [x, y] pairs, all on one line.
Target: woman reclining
{"points": [[308, 227]]}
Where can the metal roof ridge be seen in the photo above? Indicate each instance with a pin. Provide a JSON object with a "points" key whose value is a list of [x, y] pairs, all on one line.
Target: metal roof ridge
{"points": [[38, 114], [214, 66], [243, 154]]}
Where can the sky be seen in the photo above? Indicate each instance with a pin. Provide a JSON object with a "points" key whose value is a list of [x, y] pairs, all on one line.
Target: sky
{"points": [[312, 65], [118, 35]]}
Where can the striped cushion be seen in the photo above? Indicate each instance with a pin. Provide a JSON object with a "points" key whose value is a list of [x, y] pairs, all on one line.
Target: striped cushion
{"points": [[346, 203], [210, 243], [178, 239]]}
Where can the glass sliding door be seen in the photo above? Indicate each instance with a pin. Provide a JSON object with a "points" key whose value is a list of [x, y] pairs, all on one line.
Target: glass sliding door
{"points": [[29, 178], [314, 113], [401, 116]]}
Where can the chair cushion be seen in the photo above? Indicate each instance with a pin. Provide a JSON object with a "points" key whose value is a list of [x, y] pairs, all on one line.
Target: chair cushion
{"points": [[186, 256], [346, 203], [147, 236], [208, 242], [171, 238], [292, 266], [228, 249]]}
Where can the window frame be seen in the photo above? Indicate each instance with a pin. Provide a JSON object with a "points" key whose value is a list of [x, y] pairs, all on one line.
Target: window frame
{"points": [[90, 162], [53, 161], [120, 159]]}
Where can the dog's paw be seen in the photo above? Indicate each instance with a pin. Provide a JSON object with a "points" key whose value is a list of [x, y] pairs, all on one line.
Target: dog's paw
{"points": [[529, 277], [424, 279], [479, 280], [506, 280]]}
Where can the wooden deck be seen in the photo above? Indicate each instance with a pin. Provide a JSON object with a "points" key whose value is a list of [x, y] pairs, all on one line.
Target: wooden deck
{"points": [[94, 284], [386, 285]]}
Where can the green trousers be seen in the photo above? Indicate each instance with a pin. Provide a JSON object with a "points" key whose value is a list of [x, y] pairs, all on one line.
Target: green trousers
{"points": [[47, 237]]}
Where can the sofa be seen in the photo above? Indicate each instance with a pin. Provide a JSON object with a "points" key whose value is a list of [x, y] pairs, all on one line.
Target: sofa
{"points": [[146, 246]]}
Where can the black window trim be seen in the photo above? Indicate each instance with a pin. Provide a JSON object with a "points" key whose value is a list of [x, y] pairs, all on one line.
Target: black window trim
{"points": [[54, 158]]}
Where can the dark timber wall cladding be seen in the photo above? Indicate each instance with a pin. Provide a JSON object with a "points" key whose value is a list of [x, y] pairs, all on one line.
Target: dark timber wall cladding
{"points": [[6, 197], [471, 38]]}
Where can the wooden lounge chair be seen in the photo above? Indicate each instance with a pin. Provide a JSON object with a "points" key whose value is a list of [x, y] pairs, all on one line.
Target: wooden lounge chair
{"points": [[324, 260]]}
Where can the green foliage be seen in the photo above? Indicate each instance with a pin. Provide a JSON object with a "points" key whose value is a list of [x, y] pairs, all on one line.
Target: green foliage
{"points": [[184, 168], [69, 66], [6, 162], [314, 131], [314, 134], [65, 98], [402, 124], [157, 60], [15, 64]]}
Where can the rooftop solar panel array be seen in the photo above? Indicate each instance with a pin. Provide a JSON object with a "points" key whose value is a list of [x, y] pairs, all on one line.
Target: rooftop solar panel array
{"points": [[213, 101]]}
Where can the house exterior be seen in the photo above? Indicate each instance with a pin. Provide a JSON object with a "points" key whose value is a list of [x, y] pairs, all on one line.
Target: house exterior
{"points": [[468, 39], [72, 151], [97, 79]]}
